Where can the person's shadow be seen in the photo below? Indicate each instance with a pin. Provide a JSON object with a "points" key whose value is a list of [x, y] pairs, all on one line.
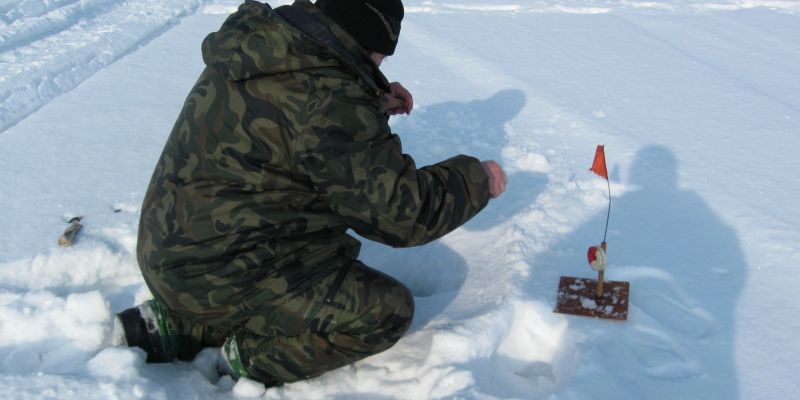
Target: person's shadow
{"points": [[686, 271], [434, 272]]}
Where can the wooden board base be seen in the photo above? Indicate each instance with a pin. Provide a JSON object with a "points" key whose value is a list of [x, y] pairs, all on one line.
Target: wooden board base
{"points": [[576, 296]]}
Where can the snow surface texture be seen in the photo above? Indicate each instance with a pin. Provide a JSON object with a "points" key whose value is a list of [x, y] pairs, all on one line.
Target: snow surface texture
{"points": [[696, 101]]}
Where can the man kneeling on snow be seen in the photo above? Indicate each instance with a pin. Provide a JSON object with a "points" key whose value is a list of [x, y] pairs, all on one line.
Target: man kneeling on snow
{"points": [[281, 147]]}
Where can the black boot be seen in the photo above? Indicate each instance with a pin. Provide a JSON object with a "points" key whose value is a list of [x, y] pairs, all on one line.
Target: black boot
{"points": [[148, 328]]}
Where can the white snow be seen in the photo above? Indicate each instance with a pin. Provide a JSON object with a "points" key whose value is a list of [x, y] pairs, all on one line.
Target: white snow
{"points": [[697, 102]]}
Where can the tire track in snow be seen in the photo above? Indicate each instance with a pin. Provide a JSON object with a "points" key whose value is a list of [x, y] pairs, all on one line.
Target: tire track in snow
{"points": [[16, 10], [27, 30], [599, 6], [31, 75], [732, 74]]}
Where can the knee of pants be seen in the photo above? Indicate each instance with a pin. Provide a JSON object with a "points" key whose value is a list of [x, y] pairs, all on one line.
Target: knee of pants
{"points": [[398, 316], [405, 309]]}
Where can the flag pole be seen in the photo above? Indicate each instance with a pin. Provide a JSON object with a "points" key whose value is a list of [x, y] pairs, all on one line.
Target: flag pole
{"points": [[598, 293], [599, 167], [608, 215], [601, 274]]}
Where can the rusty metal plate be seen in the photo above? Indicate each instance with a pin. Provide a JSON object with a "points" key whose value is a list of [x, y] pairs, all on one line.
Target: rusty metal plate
{"points": [[576, 296]]}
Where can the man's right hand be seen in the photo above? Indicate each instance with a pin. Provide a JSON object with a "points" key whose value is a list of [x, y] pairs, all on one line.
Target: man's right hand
{"points": [[497, 178], [399, 101]]}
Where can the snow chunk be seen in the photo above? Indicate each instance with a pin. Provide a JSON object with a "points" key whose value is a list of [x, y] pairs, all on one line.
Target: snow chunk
{"points": [[117, 363], [248, 388], [206, 362], [81, 318], [524, 160], [588, 303], [85, 318]]}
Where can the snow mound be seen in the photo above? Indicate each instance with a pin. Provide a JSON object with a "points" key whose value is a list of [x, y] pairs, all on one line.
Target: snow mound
{"points": [[51, 333], [117, 363]]}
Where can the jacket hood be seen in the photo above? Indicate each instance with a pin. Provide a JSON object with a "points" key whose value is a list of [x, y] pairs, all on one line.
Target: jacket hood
{"points": [[258, 41]]}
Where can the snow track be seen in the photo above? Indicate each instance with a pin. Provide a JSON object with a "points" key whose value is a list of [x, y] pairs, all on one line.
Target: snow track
{"points": [[24, 30], [48, 48]]}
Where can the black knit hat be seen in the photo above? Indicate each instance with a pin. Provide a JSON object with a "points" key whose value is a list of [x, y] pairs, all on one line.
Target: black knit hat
{"points": [[374, 24]]}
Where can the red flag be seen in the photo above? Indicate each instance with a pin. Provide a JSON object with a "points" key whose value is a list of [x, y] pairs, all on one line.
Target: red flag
{"points": [[599, 164]]}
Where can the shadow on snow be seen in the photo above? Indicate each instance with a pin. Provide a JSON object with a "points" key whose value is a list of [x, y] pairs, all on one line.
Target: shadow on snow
{"points": [[686, 270]]}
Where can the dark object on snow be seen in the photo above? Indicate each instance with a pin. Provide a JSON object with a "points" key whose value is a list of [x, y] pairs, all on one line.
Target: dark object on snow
{"points": [[142, 331], [577, 296], [68, 237]]}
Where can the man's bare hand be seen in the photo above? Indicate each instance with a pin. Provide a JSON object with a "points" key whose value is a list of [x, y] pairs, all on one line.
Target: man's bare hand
{"points": [[399, 101], [497, 178]]}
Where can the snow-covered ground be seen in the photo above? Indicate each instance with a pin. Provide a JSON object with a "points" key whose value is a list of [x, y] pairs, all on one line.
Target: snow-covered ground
{"points": [[697, 102]]}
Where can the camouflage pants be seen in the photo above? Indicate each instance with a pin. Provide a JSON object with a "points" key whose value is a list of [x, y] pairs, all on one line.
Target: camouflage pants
{"points": [[351, 314]]}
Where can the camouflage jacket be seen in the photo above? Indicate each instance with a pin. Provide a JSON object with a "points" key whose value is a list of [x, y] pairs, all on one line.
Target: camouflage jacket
{"points": [[281, 147]]}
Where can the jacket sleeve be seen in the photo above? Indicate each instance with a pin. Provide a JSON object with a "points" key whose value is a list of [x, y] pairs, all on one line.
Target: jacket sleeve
{"points": [[358, 168]]}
